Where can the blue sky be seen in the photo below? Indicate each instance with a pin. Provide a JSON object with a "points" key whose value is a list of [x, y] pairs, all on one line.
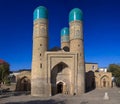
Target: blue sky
{"points": [[101, 29]]}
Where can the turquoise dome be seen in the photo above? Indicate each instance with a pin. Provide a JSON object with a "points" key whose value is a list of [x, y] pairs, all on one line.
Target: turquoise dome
{"points": [[75, 14], [65, 31], [40, 12]]}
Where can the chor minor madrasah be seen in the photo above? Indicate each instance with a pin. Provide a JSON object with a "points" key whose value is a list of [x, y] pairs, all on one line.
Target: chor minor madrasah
{"points": [[60, 70]]}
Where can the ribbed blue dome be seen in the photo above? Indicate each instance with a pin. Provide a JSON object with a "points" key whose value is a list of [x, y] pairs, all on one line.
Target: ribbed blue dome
{"points": [[75, 14], [40, 12], [65, 31]]}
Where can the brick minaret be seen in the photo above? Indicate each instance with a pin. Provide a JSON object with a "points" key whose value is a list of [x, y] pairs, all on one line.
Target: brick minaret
{"points": [[76, 45], [40, 45]]}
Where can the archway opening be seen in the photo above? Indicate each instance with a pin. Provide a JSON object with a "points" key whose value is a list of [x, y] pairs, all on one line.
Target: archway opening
{"points": [[23, 84], [90, 81], [60, 87]]}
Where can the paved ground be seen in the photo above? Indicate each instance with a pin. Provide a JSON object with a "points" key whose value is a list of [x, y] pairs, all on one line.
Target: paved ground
{"points": [[93, 97]]}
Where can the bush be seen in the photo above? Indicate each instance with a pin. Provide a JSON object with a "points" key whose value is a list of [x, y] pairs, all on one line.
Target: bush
{"points": [[7, 82], [115, 69]]}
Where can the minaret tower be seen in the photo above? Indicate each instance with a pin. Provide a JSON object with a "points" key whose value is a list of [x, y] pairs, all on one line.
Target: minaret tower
{"points": [[40, 45], [76, 45], [65, 38]]}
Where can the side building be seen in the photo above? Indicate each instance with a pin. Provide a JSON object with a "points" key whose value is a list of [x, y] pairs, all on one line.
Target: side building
{"points": [[97, 78]]}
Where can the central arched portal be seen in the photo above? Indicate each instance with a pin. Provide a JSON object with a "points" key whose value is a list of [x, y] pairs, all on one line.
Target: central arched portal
{"points": [[60, 87], [60, 78]]}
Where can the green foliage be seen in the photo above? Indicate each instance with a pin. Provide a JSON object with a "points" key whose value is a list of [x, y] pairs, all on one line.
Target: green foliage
{"points": [[7, 82], [115, 69], [4, 71]]}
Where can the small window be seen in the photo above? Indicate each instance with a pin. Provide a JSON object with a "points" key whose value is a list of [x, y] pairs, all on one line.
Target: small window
{"points": [[78, 45], [40, 44], [40, 65], [40, 54]]}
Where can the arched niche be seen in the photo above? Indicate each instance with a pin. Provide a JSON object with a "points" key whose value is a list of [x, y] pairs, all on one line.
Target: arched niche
{"points": [[104, 81]]}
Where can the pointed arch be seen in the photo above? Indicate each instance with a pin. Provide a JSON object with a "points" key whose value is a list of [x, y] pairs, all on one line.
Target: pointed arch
{"points": [[59, 73], [61, 81], [60, 87], [23, 84], [61, 64], [104, 76], [57, 69]]}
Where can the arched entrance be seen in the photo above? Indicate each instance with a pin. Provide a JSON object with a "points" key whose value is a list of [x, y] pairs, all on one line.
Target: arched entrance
{"points": [[90, 81], [23, 84], [60, 87]]}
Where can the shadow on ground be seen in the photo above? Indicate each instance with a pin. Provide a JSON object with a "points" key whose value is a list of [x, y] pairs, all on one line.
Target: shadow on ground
{"points": [[39, 102], [10, 93]]}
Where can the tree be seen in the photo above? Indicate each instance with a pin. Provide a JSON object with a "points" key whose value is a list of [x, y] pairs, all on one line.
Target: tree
{"points": [[115, 69], [4, 72]]}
